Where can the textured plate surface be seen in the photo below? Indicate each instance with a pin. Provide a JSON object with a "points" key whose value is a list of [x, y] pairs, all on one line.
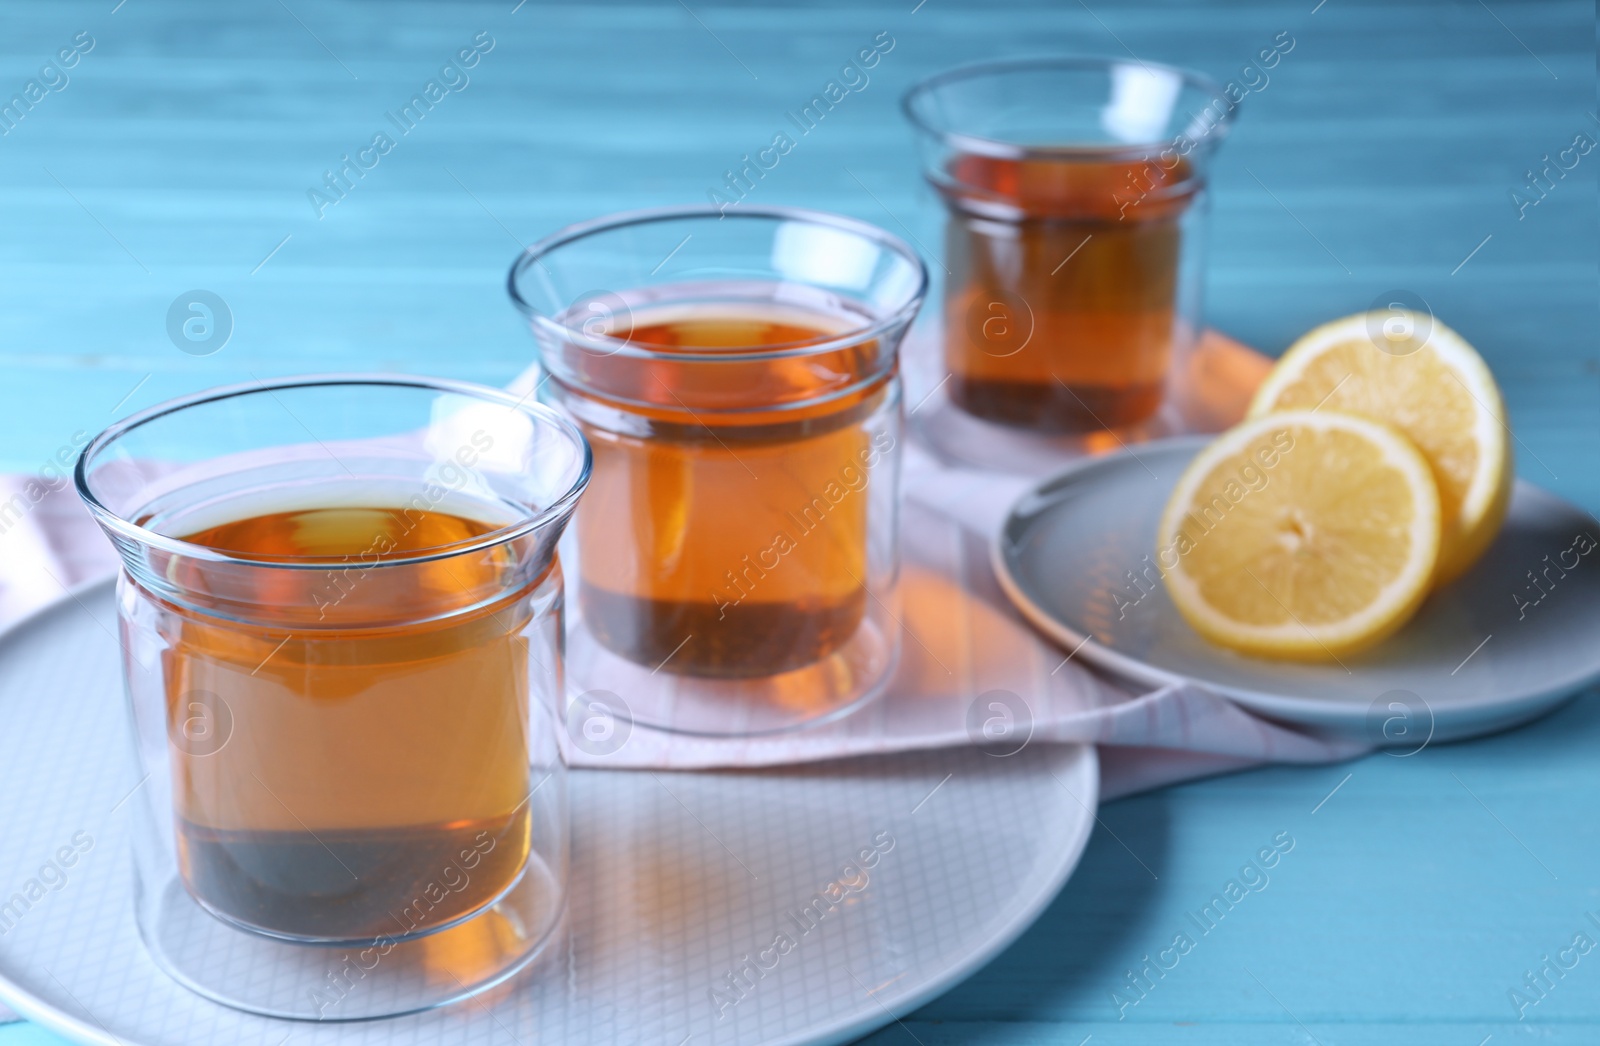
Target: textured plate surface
{"points": [[1076, 554], [676, 879]]}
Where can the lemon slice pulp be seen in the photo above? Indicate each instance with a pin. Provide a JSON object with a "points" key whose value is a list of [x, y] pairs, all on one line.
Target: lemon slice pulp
{"points": [[1303, 534], [1408, 370]]}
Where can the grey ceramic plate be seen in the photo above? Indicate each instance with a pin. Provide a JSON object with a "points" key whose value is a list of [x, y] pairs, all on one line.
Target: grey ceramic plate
{"points": [[676, 878], [1474, 659]]}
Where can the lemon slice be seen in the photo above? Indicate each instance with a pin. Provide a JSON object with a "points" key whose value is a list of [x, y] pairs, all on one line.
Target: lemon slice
{"points": [[1412, 372], [1302, 535]]}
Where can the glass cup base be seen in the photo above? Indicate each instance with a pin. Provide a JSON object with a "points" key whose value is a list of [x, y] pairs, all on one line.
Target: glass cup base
{"points": [[360, 980], [961, 438], [822, 692]]}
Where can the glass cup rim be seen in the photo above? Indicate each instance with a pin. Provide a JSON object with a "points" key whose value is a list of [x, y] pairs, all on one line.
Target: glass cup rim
{"points": [[606, 345], [145, 537], [1002, 149]]}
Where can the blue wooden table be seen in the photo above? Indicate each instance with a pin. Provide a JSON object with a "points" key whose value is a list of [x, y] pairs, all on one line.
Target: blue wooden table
{"points": [[171, 147]]}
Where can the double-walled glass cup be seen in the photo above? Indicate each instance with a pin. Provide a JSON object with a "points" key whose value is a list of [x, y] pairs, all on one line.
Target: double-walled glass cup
{"points": [[341, 613], [737, 377], [1075, 192]]}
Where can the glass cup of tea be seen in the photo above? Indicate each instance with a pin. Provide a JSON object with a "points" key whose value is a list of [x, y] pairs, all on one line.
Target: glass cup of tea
{"points": [[736, 374], [341, 612], [1076, 202]]}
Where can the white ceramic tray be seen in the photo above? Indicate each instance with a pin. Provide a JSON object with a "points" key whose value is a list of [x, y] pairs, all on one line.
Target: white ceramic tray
{"points": [[1473, 660], [676, 878]]}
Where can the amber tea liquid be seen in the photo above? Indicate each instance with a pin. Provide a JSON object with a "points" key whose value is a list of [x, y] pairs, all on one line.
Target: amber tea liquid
{"points": [[365, 776], [730, 542], [1061, 307]]}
